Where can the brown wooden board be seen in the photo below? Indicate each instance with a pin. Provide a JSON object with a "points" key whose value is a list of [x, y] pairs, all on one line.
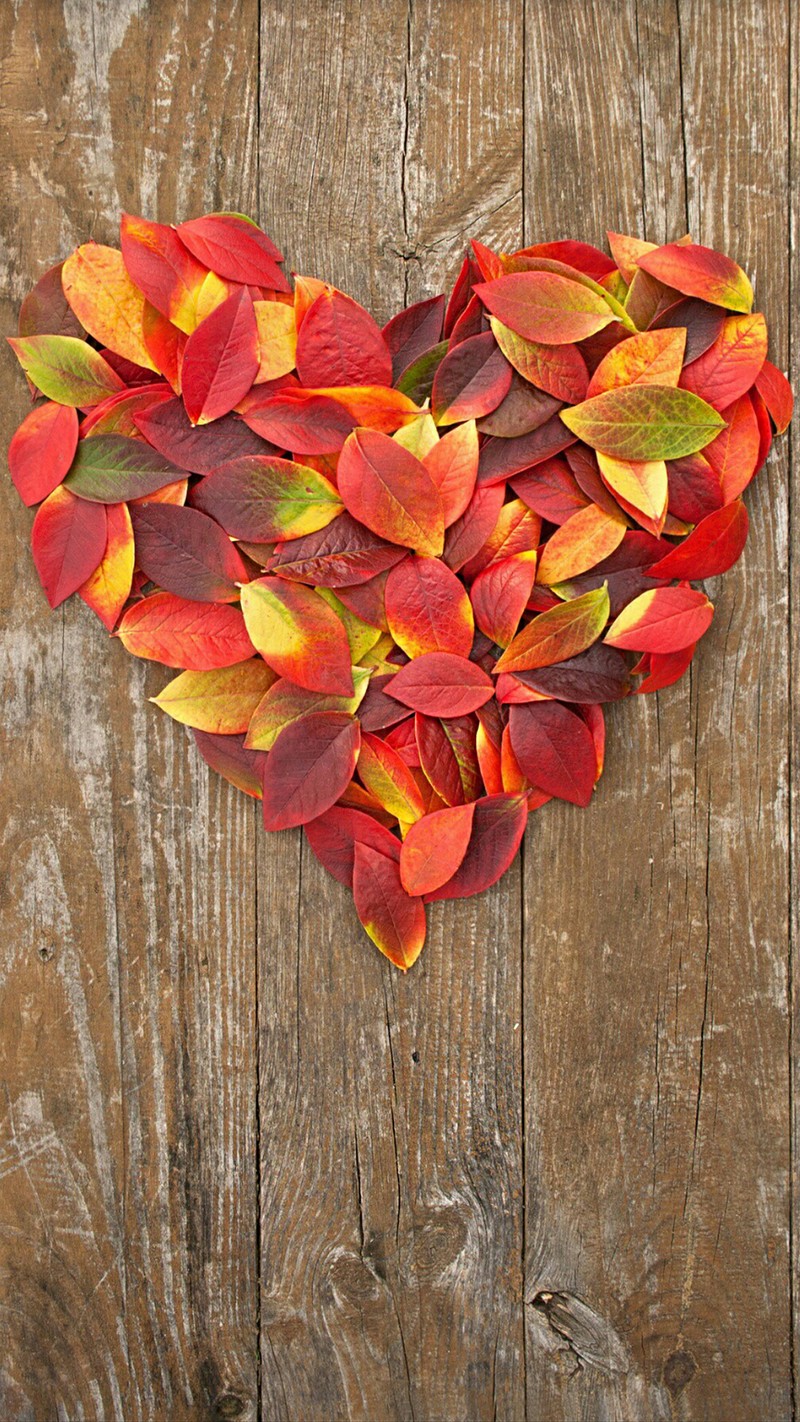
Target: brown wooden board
{"points": [[127, 1009], [657, 1277], [246, 1169]]}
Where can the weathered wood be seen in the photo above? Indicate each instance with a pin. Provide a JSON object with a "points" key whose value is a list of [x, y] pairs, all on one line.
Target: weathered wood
{"points": [[793, 571], [128, 1187], [655, 1004], [188, 1009], [390, 1107]]}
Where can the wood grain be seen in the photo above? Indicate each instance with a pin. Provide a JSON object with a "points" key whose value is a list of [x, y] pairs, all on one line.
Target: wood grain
{"points": [[246, 1169], [657, 1152], [129, 1174]]}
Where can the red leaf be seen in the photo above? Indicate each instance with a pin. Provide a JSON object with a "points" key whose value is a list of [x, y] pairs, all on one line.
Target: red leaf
{"points": [[497, 828], [197, 448], [42, 450], [441, 684], [339, 556], [434, 848], [448, 756], [711, 548], [776, 392], [388, 489], [598, 674], [186, 552], [334, 836], [664, 668], [229, 756], [465, 538], [581, 255], [178, 632], [392, 918], [412, 332], [45, 310], [503, 458], [472, 380], [551, 490], [340, 344], [68, 541], [300, 420], [427, 608], [221, 360], [734, 454], [234, 248], [308, 768], [500, 594], [555, 750], [453, 466]]}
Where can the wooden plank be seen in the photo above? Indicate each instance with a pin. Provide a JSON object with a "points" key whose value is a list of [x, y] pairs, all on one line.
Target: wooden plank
{"points": [[390, 1121], [655, 977], [128, 1144], [793, 343]]}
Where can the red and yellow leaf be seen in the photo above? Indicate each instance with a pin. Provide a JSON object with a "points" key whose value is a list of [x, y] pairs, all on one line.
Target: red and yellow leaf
{"points": [[700, 271], [106, 302], [68, 541], [545, 306], [562, 632], [107, 589], [386, 776], [198, 636], [648, 358], [389, 490], [581, 542], [220, 701], [428, 609], [393, 919], [558, 370], [299, 635], [163, 269], [662, 620], [732, 362]]}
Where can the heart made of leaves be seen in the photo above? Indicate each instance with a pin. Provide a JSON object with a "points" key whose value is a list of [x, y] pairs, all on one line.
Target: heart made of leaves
{"points": [[398, 571]]}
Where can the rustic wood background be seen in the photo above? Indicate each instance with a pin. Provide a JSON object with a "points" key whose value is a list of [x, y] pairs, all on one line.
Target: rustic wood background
{"points": [[246, 1169]]}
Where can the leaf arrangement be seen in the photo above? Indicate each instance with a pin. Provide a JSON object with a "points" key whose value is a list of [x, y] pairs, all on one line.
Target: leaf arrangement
{"points": [[398, 571]]}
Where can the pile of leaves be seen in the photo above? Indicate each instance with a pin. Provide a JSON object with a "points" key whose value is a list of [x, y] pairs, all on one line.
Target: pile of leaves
{"points": [[398, 571]]}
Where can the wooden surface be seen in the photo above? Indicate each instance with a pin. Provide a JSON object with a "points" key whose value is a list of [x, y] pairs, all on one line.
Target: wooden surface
{"points": [[246, 1169]]}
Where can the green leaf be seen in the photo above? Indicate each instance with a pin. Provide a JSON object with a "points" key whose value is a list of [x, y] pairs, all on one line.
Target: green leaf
{"points": [[644, 422], [112, 468], [66, 369]]}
